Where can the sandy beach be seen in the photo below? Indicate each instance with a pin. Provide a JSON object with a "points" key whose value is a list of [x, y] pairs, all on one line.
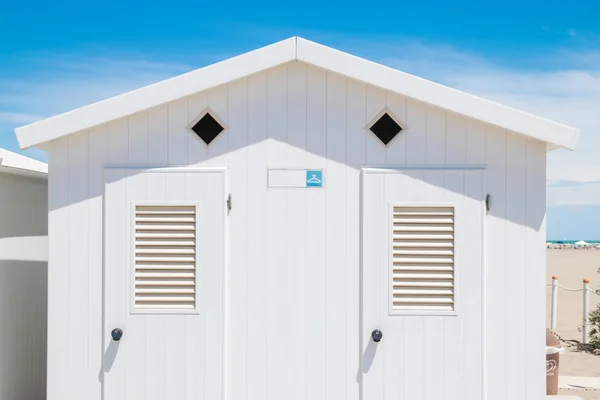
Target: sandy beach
{"points": [[571, 266]]}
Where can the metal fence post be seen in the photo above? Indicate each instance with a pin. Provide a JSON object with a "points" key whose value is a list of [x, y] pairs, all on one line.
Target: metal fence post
{"points": [[586, 309], [554, 305]]}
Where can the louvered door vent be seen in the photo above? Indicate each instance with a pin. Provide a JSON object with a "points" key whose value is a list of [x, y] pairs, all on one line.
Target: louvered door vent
{"points": [[423, 258], [165, 257]]}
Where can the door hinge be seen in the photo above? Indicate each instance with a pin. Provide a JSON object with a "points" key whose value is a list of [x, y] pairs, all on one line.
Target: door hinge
{"points": [[228, 203], [488, 202]]}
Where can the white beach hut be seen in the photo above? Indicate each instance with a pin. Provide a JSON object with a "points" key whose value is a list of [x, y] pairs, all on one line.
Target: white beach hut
{"points": [[23, 271], [296, 222]]}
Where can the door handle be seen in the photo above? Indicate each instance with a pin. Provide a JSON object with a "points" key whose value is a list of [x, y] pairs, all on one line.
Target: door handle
{"points": [[377, 335], [116, 334]]}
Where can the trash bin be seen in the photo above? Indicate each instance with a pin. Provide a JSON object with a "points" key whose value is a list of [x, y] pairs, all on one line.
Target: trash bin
{"points": [[553, 349]]}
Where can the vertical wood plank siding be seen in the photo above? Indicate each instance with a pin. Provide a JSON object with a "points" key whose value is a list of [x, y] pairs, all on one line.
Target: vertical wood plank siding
{"points": [[293, 296]]}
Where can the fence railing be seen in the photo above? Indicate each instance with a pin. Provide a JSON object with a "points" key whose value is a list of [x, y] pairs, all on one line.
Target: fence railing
{"points": [[585, 289]]}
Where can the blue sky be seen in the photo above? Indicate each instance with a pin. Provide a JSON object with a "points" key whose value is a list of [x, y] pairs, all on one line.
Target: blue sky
{"points": [[543, 57]]}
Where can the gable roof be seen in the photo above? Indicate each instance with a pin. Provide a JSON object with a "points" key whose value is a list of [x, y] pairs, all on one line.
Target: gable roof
{"points": [[297, 49]]}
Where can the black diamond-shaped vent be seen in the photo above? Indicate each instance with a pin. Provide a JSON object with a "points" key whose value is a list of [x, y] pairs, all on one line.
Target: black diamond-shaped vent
{"points": [[386, 128], [208, 128]]}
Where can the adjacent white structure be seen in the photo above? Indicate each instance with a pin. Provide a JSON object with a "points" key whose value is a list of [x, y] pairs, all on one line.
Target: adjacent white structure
{"points": [[296, 222], [23, 271]]}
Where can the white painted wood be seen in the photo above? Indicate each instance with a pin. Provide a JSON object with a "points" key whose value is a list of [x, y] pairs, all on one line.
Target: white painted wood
{"points": [[516, 289], [437, 326], [475, 142], [276, 237], [286, 51], [470, 281], [139, 138], [456, 131], [415, 370], [316, 238], [236, 139], [336, 237], [535, 271], [178, 133], [495, 290], [196, 336], [294, 254], [355, 157], [256, 277], [149, 363], [98, 141], [23, 278], [436, 136], [78, 276], [215, 279], [158, 140], [59, 295], [416, 134], [296, 248]]}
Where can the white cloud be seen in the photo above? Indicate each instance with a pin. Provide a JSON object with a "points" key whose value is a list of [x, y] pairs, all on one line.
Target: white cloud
{"points": [[569, 193]]}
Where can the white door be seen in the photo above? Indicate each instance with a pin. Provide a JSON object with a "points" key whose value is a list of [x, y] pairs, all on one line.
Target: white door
{"points": [[163, 284], [422, 275]]}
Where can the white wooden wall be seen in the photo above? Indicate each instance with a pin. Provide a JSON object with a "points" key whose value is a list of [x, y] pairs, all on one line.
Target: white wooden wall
{"points": [[23, 271], [293, 286]]}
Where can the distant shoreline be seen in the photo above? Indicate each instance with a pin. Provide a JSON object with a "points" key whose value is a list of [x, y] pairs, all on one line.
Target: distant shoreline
{"points": [[573, 246]]}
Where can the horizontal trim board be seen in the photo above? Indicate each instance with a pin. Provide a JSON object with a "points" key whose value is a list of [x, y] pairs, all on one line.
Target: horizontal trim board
{"points": [[392, 169]]}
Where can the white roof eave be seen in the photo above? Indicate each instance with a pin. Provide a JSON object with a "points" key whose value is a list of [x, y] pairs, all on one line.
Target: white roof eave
{"points": [[17, 164], [554, 134]]}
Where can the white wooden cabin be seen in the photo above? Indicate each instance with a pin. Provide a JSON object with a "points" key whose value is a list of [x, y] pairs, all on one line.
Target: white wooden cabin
{"points": [[23, 276], [240, 232]]}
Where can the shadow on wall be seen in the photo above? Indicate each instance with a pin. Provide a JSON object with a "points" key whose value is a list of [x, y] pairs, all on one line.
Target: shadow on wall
{"points": [[533, 217], [23, 206], [367, 360], [299, 112], [23, 305]]}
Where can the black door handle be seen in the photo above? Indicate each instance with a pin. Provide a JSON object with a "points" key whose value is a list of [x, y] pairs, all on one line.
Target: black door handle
{"points": [[116, 334], [377, 335]]}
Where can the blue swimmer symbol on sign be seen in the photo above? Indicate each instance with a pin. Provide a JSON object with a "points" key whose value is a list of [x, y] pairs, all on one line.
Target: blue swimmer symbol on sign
{"points": [[314, 178]]}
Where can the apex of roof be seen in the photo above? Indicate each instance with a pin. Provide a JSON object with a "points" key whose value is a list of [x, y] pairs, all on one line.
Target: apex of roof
{"points": [[297, 49]]}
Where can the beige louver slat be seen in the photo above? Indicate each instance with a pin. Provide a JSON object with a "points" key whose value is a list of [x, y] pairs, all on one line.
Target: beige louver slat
{"points": [[423, 258], [165, 257]]}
